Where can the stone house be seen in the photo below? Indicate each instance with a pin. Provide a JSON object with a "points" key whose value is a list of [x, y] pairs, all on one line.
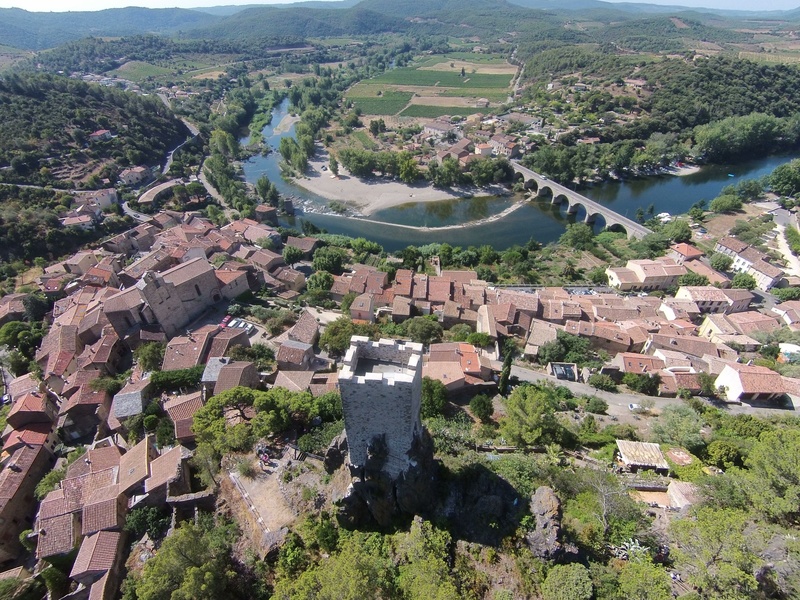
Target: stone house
{"points": [[363, 308], [749, 383]]}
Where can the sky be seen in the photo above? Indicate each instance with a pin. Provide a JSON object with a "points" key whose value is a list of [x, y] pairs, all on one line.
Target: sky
{"points": [[65, 5]]}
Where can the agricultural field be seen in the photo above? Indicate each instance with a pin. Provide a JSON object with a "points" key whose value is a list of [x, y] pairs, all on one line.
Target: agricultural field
{"points": [[363, 138], [433, 78], [785, 58], [427, 111], [389, 102], [136, 70], [9, 56], [435, 87]]}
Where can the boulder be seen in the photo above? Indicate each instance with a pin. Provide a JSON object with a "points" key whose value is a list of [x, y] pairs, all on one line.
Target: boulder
{"points": [[543, 538], [336, 453]]}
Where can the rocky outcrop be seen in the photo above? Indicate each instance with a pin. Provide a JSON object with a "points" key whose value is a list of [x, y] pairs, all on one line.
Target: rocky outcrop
{"points": [[543, 540], [336, 453], [374, 496]]}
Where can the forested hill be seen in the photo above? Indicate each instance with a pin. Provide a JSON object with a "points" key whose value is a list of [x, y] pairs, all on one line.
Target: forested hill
{"points": [[36, 31], [45, 122]]}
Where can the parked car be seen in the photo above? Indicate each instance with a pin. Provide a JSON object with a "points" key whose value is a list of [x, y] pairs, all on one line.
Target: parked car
{"points": [[633, 406], [226, 320]]}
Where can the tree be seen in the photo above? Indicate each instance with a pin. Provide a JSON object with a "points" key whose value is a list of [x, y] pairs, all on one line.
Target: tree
{"points": [[713, 547], [774, 475], [692, 278], [723, 454], [192, 563], [678, 231], [150, 356], [785, 179], [720, 262], [743, 281], [330, 259], [320, 281], [640, 579], [292, 254], [725, 204], [784, 294], [423, 330], [334, 165], [482, 407], [679, 425], [596, 405], [530, 417], [434, 397], [36, 307], [578, 236], [644, 383], [151, 520], [567, 582]]}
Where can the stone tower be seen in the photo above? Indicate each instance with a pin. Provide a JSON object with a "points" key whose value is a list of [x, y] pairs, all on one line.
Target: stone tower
{"points": [[381, 388]]}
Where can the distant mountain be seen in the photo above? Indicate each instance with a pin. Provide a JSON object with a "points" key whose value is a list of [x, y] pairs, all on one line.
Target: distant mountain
{"points": [[644, 8], [232, 9], [36, 31]]}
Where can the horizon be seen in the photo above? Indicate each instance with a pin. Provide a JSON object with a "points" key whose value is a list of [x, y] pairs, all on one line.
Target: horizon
{"points": [[63, 6]]}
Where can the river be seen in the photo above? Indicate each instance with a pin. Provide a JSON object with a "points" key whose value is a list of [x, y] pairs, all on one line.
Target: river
{"points": [[536, 219]]}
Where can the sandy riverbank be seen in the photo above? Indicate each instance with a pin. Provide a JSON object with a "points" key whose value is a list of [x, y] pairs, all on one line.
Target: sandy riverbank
{"points": [[286, 124], [682, 171], [373, 195]]}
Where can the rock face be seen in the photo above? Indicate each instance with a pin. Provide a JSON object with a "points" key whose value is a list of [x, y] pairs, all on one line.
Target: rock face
{"points": [[543, 539], [336, 453], [374, 497]]}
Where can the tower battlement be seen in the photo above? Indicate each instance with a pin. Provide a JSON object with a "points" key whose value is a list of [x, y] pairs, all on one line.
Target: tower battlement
{"points": [[381, 387]]}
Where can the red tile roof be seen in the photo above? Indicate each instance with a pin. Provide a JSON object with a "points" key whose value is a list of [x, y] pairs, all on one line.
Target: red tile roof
{"points": [[97, 553]]}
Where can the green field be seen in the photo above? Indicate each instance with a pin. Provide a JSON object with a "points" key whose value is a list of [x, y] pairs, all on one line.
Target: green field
{"points": [[493, 95], [410, 76], [425, 111], [389, 103], [364, 140], [136, 70], [771, 58]]}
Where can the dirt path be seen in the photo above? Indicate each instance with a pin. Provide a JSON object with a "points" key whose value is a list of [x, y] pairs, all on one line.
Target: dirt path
{"points": [[792, 262]]}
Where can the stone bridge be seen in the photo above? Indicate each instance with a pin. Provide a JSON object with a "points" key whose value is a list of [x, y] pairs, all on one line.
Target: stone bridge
{"points": [[542, 186]]}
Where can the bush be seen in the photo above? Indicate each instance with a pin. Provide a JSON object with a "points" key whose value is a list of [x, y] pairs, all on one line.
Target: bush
{"points": [[642, 383], [596, 405], [482, 407], [246, 469], [150, 520], [567, 582], [602, 382], [434, 397]]}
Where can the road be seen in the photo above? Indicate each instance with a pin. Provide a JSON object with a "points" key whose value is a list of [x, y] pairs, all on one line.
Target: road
{"points": [[618, 402], [133, 214]]}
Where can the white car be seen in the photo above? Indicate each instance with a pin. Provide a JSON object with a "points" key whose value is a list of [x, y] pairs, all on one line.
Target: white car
{"points": [[633, 406]]}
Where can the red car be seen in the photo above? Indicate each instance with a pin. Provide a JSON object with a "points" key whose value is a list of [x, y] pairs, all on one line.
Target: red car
{"points": [[226, 320]]}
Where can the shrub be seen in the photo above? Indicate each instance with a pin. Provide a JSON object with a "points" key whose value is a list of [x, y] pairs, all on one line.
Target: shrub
{"points": [[567, 582], [246, 469], [482, 407], [596, 405], [602, 382], [150, 520]]}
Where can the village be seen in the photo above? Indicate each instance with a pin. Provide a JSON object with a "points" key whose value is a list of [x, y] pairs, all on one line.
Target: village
{"points": [[173, 279]]}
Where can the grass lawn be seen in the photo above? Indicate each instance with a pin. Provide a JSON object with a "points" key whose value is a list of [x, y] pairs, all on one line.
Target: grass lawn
{"points": [[409, 76]]}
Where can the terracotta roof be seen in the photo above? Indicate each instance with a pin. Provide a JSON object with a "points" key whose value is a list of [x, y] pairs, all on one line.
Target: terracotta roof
{"points": [[187, 271], [95, 460], [639, 363], [687, 250], [98, 553], [227, 338], [57, 535], [292, 352], [750, 321], [165, 468], [183, 351], [30, 402], [134, 466], [33, 434], [235, 374], [306, 244], [85, 396], [77, 489], [306, 329], [296, 381], [757, 379], [102, 589], [23, 384], [732, 244], [181, 411], [102, 510], [403, 281], [440, 289]]}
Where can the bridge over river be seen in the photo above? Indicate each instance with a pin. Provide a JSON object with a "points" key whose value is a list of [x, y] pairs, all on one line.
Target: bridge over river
{"points": [[541, 185]]}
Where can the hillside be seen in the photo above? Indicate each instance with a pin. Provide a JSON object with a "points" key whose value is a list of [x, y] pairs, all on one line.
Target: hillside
{"points": [[45, 122], [36, 31]]}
